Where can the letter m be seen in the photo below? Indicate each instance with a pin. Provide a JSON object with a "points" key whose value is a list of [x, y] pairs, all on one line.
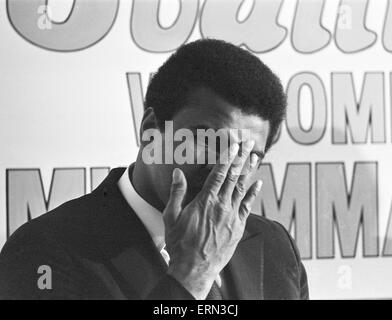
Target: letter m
{"points": [[346, 210], [26, 197], [292, 206]]}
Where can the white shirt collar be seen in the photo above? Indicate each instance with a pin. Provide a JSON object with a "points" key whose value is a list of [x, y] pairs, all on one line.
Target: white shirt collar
{"points": [[150, 216]]}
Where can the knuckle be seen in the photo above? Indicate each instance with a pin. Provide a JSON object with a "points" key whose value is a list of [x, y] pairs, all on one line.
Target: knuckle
{"points": [[208, 198], [219, 214], [240, 188], [177, 185], [221, 199], [200, 203], [177, 189], [231, 177], [219, 177]]}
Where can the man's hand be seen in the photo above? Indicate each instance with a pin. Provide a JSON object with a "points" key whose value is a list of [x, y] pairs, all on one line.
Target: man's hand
{"points": [[202, 237]]}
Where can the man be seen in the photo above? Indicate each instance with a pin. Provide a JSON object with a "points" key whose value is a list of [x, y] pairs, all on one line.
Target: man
{"points": [[173, 229]]}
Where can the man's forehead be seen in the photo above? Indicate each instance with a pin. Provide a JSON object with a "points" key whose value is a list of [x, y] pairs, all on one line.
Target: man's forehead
{"points": [[204, 109], [253, 125], [205, 116]]}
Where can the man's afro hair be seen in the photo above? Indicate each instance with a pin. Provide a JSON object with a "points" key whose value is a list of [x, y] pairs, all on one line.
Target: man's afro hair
{"points": [[233, 73]]}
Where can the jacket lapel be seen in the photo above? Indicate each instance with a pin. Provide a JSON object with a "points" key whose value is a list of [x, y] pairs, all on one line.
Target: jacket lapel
{"points": [[246, 267], [141, 267], [130, 253]]}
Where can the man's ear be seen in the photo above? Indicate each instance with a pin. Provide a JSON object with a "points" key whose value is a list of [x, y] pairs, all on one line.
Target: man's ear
{"points": [[274, 139], [149, 121], [276, 135]]}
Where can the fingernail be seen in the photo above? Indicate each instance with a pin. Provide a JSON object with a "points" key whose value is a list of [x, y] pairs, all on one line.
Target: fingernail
{"points": [[253, 160], [258, 185], [176, 175]]}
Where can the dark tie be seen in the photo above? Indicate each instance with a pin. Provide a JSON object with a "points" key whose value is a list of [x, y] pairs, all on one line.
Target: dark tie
{"points": [[214, 293]]}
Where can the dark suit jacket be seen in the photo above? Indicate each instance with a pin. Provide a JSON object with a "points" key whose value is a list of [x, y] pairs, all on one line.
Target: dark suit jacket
{"points": [[97, 248]]}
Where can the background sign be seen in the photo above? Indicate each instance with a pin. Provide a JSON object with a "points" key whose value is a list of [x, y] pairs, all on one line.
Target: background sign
{"points": [[73, 74]]}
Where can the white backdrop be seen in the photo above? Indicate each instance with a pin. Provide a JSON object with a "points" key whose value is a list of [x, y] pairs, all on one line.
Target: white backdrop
{"points": [[71, 88]]}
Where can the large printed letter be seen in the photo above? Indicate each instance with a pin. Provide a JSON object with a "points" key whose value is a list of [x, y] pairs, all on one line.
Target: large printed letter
{"points": [[319, 108], [351, 33], [259, 31], [308, 34], [347, 210], [293, 204], [26, 197], [347, 113], [88, 23], [148, 33]]}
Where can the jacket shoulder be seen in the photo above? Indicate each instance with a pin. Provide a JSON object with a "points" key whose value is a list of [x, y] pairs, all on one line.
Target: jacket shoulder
{"points": [[40, 244], [275, 236], [257, 223]]}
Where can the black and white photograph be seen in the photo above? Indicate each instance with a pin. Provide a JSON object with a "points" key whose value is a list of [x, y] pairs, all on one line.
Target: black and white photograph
{"points": [[195, 150]]}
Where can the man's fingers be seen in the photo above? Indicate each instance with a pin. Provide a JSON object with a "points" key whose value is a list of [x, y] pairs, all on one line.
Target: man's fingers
{"points": [[247, 202], [177, 195], [241, 186], [218, 173], [235, 169]]}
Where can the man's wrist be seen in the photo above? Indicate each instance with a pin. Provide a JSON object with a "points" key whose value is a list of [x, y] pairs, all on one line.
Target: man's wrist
{"points": [[197, 282]]}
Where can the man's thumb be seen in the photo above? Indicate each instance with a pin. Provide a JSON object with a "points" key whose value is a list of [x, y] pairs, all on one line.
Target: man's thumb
{"points": [[177, 195]]}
